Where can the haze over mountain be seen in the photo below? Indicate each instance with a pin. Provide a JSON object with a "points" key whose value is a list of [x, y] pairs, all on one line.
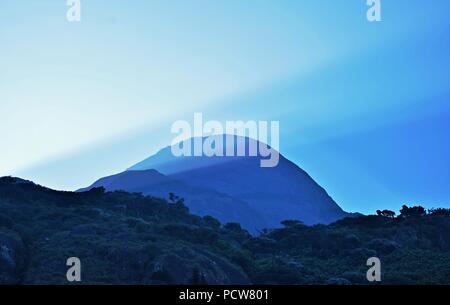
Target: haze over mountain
{"points": [[232, 189]]}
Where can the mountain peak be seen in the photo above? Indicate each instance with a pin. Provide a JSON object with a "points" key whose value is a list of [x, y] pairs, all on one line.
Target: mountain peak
{"points": [[213, 150], [231, 188]]}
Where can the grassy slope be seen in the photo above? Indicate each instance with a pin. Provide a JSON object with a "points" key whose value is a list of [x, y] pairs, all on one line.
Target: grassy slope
{"points": [[127, 238]]}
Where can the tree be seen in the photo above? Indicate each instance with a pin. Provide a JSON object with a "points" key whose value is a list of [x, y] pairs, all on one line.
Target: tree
{"points": [[175, 199], [413, 211], [211, 222], [386, 213], [439, 212], [233, 226], [172, 197]]}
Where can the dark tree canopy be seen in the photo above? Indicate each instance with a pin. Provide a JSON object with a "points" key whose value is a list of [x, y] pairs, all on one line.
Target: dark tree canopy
{"points": [[386, 213], [413, 211]]}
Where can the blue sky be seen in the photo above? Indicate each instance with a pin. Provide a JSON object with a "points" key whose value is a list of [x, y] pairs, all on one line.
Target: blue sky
{"points": [[363, 107]]}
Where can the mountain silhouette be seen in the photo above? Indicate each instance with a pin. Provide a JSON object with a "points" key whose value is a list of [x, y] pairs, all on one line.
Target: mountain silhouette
{"points": [[231, 188]]}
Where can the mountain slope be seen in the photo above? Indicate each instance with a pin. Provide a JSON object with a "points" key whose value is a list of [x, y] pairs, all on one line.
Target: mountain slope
{"points": [[201, 201], [278, 193], [120, 238], [232, 188]]}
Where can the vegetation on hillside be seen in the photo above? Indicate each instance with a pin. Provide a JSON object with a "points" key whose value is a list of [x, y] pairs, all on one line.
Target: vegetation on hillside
{"points": [[127, 238]]}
